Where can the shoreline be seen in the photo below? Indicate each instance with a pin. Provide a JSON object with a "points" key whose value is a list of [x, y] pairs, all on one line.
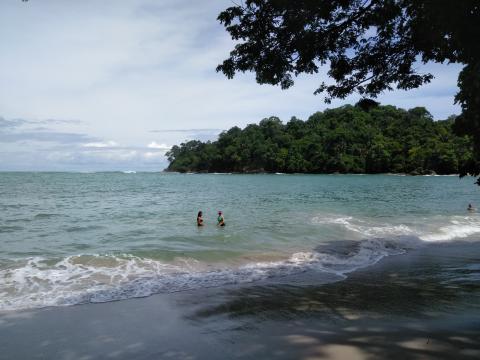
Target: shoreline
{"points": [[165, 171], [382, 311], [306, 173]]}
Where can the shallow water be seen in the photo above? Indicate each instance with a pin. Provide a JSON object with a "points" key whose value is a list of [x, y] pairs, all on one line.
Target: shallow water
{"points": [[69, 238]]}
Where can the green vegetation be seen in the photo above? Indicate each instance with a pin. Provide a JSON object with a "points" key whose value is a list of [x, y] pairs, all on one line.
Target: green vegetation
{"points": [[369, 46], [365, 138]]}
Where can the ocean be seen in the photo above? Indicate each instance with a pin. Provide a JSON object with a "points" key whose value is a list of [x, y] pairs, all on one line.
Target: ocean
{"points": [[76, 238]]}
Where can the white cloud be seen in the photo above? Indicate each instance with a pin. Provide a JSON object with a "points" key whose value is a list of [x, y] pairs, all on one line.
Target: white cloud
{"points": [[117, 155], [155, 145], [124, 68], [100, 144], [154, 155]]}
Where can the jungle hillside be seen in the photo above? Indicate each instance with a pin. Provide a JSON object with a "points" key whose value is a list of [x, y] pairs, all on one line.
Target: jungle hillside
{"points": [[366, 138]]}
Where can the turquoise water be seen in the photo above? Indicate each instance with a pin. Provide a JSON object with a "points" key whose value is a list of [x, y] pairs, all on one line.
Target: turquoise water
{"points": [[69, 238]]}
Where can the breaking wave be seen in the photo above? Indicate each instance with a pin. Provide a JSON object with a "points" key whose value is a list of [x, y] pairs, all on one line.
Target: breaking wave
{"points": [[433, 229], [39, 282], [91, 278]]}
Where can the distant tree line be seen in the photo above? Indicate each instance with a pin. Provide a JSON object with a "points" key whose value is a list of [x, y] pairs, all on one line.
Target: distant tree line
{"points": [[365, 138], [368, 47]]}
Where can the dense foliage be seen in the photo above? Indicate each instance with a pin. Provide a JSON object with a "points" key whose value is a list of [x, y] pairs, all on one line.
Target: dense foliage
{"points": [[365, 138], [369, 46]]}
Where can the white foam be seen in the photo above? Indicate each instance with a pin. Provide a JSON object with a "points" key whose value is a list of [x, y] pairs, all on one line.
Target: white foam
{"points": [[364, 228], [369, 252], [443, 228], [37, 282], [454, 228]]}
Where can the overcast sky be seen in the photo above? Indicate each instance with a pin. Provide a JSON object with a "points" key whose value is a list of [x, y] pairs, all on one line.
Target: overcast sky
{"points": [[111, 85]]}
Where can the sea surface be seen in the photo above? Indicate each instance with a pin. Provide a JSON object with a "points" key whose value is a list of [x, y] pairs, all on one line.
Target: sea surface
{"points": [[74, 238]]}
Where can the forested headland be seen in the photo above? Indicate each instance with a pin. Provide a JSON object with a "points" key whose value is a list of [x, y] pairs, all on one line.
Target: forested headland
{"points": [[365, 138]]}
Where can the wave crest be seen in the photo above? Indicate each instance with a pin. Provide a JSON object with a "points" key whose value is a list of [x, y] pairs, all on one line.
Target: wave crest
{"points": [[39, 282], [443, 228]]}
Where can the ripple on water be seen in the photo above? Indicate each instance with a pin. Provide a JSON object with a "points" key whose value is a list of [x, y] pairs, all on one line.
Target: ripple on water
{"points": [[17, 220], [8, 229], [45, 215], [83, 228]]}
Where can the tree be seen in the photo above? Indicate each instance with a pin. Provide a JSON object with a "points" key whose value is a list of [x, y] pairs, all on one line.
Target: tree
{"points": [[369, 45], [349, 139]]}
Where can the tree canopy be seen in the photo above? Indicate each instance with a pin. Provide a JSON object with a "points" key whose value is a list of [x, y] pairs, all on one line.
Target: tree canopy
{"points": [[349, 139], [369, 46]]}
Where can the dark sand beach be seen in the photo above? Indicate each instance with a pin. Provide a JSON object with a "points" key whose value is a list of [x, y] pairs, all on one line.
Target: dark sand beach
{"points": [[395, 309]]}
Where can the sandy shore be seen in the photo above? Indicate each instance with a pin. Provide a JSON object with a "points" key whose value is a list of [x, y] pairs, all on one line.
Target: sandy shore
{"points": [[384, 311]]}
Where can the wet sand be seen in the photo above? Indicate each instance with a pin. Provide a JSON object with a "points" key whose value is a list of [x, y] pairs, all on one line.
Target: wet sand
{"points": [[397, 309]]}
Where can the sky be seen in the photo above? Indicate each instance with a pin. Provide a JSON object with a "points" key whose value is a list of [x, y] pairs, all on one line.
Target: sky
{"points": [[112, 85]]}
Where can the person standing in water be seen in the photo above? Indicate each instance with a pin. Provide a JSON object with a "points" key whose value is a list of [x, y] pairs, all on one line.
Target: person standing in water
{"points": [[470, 207], [200, 219], [220, 219]]}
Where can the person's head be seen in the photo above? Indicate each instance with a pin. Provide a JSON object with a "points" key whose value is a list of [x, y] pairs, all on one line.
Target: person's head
{"points": [[219, 213], [199, 214]]}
